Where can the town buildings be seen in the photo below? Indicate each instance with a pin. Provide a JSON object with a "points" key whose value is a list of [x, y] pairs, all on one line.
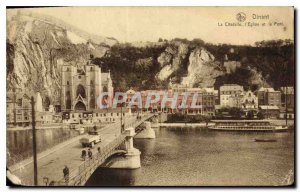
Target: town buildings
{"points": [[288, 102], [19, 110], [82, 85], [180, 99]]}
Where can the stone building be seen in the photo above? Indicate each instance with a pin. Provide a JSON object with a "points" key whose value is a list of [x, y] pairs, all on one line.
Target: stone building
{"points": [[288, 102], [270, 111], [19, 110], [268, 96], [231, 95], [249, 100], [81, 87]]}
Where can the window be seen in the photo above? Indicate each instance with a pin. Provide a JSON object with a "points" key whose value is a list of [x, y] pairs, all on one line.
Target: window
{"points": [[67, 82], [92, 82], [79, 77], [67, 68], [19, 102], [91, 68], [96, 114]]}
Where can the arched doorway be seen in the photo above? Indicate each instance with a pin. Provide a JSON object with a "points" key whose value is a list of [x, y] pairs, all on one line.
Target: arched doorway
{"points": [[80, 91], [80, 106]]}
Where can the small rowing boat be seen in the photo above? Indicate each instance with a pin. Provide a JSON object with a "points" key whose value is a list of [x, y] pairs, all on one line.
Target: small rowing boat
{"points": [[265, 140]]}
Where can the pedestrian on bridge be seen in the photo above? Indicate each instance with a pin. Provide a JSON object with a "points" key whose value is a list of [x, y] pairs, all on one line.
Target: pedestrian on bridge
{"points": [[66, 174], [83, 154], [99, 150], [90, 154]]}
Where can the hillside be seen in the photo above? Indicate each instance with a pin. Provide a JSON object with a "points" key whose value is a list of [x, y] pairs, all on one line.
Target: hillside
{"points": [[37, 48], [202, 64]]}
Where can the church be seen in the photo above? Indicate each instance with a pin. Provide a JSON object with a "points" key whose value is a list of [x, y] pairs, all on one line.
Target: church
{"points": [[82, 85]]}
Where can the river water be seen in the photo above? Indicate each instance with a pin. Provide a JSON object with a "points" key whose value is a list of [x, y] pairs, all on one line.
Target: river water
{"points": [[205, 158]]}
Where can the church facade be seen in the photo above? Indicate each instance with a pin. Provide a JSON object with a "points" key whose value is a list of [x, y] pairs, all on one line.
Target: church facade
{"points": [[81, 87]]}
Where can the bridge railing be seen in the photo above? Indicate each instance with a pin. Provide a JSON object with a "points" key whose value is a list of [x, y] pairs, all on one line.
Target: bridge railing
{"points": [[76, 176], [79, 175]]}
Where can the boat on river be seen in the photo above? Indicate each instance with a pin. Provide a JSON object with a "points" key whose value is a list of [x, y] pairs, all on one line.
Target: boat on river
{"points": [[246, 125], [265, 140]]}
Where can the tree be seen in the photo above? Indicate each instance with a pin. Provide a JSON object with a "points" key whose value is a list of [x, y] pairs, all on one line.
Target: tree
{"points": [[260, 115], [235, 112], [250, 115]]}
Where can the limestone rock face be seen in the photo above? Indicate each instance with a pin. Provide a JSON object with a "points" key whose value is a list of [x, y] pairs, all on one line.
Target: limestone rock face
{"points": [[38, 48], [202, 68], [171, 60]]}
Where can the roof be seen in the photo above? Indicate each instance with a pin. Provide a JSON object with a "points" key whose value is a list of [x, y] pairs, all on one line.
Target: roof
{"points": [[230, 87], [130, 91], [266, 89], [269, 107]]}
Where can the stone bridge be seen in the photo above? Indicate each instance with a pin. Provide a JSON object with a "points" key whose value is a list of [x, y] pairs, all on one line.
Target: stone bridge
{"points": [[122, 144], [50, 163]]}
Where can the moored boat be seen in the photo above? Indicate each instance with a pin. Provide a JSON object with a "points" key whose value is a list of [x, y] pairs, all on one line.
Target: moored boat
{"points": [[246, 125]]}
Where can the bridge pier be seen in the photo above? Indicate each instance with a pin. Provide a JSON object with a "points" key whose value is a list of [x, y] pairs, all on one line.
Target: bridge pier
{"points": [[131, 160], [155, 123], [147, 133]]}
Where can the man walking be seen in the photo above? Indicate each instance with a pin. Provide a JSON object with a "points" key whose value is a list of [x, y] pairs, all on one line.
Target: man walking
{"points": [[90, 154], [83, 154], [66, 174]]}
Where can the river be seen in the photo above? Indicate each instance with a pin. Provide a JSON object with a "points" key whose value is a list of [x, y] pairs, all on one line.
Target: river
{"points": [[205, 158]]}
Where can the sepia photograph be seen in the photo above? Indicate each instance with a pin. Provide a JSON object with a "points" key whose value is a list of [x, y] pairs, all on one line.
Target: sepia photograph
{"points": [[139, 96]]}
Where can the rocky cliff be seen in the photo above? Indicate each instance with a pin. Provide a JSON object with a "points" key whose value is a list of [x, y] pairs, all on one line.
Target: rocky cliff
{"points": [[196, 65], [36, 50]]}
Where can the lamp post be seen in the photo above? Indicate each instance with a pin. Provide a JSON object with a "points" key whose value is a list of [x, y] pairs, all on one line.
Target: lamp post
{"points": [[122, 125], [34, 143]]}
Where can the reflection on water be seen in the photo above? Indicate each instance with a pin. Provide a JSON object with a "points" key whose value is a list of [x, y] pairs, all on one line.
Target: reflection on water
{"points": [[178, 157]]}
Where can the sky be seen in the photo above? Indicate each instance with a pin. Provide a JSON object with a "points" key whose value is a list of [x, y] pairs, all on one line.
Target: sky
{"points": [[135, 24]]}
